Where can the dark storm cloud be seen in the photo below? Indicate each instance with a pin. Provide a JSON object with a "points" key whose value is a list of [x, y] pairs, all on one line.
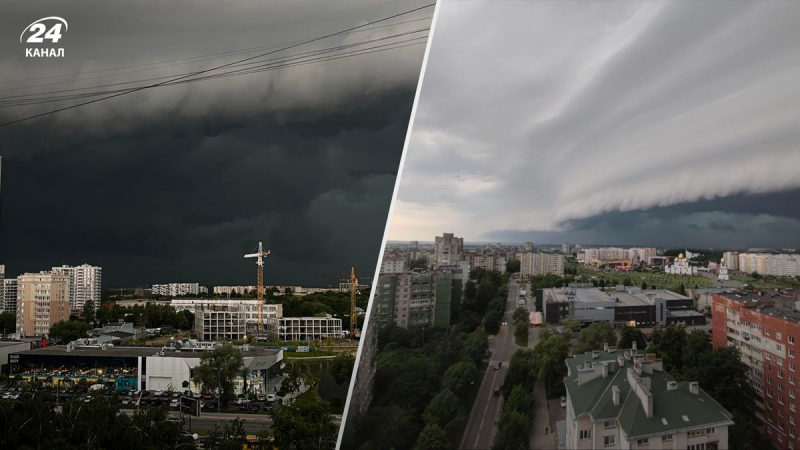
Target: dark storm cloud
{"points": [[586, 118], [178, 184]]}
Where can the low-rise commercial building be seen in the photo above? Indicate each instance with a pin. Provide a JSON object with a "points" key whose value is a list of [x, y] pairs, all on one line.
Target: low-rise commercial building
{"points": [[629, 306], [129, 368], [623, 399]]}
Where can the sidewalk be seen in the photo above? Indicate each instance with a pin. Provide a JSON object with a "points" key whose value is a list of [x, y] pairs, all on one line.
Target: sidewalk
{"points": [[541, 421]]}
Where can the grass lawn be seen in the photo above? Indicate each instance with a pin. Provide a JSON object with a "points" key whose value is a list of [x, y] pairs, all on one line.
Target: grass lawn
{"points": [[767, 282]]}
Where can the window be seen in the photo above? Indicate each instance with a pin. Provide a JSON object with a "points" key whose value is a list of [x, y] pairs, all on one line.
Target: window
{"points": [[609, 440], [585, 434], [791, 366], [642, 442], [666, 438], [791, 353], [766, 331], [701, 446], [792, 407], [791, 339], [609, 424], [778, 335]]}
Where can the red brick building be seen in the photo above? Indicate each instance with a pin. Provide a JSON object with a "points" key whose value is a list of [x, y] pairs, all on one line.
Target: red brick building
{"points": [[766, 329]]}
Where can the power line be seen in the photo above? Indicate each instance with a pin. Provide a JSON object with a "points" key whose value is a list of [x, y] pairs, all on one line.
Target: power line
{"points": [[171, 63], [217, 67], [28, 99]]}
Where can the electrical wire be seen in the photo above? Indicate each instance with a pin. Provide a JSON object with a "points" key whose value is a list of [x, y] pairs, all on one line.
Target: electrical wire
{"points": [[137, 89]]}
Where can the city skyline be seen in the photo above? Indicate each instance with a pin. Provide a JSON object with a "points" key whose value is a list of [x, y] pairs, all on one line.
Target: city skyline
{"points": [[177, 183], [663, 123]]}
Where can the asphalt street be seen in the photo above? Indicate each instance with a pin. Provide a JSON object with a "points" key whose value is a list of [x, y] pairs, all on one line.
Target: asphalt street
{"points": [[486, 409]]}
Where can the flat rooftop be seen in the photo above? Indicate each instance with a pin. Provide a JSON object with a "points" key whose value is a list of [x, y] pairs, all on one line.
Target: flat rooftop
{"points": [[632, 297], [773, 303]]}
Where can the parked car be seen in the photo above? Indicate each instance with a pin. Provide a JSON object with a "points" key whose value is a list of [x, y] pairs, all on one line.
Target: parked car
{"points": [[261, 397], [173, 404], [242, 407], [563, 402], [254, 408], [271, 397], [208, 395], [158, 393], [197, 395]]}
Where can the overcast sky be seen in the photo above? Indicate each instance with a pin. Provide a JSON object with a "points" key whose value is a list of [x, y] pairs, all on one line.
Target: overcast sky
{"points": [[176, 184], [639, 123]]}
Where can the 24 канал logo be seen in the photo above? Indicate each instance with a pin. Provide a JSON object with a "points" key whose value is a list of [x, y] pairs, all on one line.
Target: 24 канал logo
{"points": [[50, 29]]}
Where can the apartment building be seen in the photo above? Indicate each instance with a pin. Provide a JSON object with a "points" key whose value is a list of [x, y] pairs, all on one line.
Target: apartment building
{"points": [[766, 329], [176, 289], [779, 265], [2, 289], [248, 306], [394, 264], [85, 283], [415, 299], [537, 264], [42, 300], [731, 260], [488, 261], [10, 295], [623, 399], [448, 249]]}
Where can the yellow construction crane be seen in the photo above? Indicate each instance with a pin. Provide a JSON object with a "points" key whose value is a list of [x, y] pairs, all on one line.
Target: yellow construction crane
{"points": [[259, 255], [353, 281]]}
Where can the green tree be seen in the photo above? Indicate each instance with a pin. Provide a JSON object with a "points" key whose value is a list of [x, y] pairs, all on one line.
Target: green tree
{"points": [[68, 331], [342, 367], [433, 437], [549, 355], [306, 423], [512, 432], [231, 436], [520, 400], [595, 336], [513, 266], [459, 376], [476, 345], [218, 369], [629, 335], [571, 325], [644, 285], [442, 408], [492, 320], [668, 343], [521, 371], [8, 323], [88, 312]]}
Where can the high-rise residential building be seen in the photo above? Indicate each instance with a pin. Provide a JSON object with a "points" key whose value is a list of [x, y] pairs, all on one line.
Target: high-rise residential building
{"points": [[765, 327], [176, 289], [394, 264], [565, 248], [536, 264], [779, 265], [2, 288], [42, 300], [529, 246], [488, 260], [85, 283], [10, 295], [448, 250], [731, 260], [414, 299], [623, 399]]}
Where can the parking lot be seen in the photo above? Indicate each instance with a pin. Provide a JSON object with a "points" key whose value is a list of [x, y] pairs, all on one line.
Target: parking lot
{"points": [[131, 399]]}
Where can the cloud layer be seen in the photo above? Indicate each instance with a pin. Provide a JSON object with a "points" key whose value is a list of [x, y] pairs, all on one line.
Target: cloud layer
{"points": [[177, 184], [537, 114]]}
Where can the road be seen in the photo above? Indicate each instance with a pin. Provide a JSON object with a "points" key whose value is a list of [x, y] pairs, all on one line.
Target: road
{"points": [[207, 420], [480, 428], [722, 284]]}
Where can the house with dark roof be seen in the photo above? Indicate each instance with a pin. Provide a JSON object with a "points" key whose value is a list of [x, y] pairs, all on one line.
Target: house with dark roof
{"points": [[624, 399]]}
